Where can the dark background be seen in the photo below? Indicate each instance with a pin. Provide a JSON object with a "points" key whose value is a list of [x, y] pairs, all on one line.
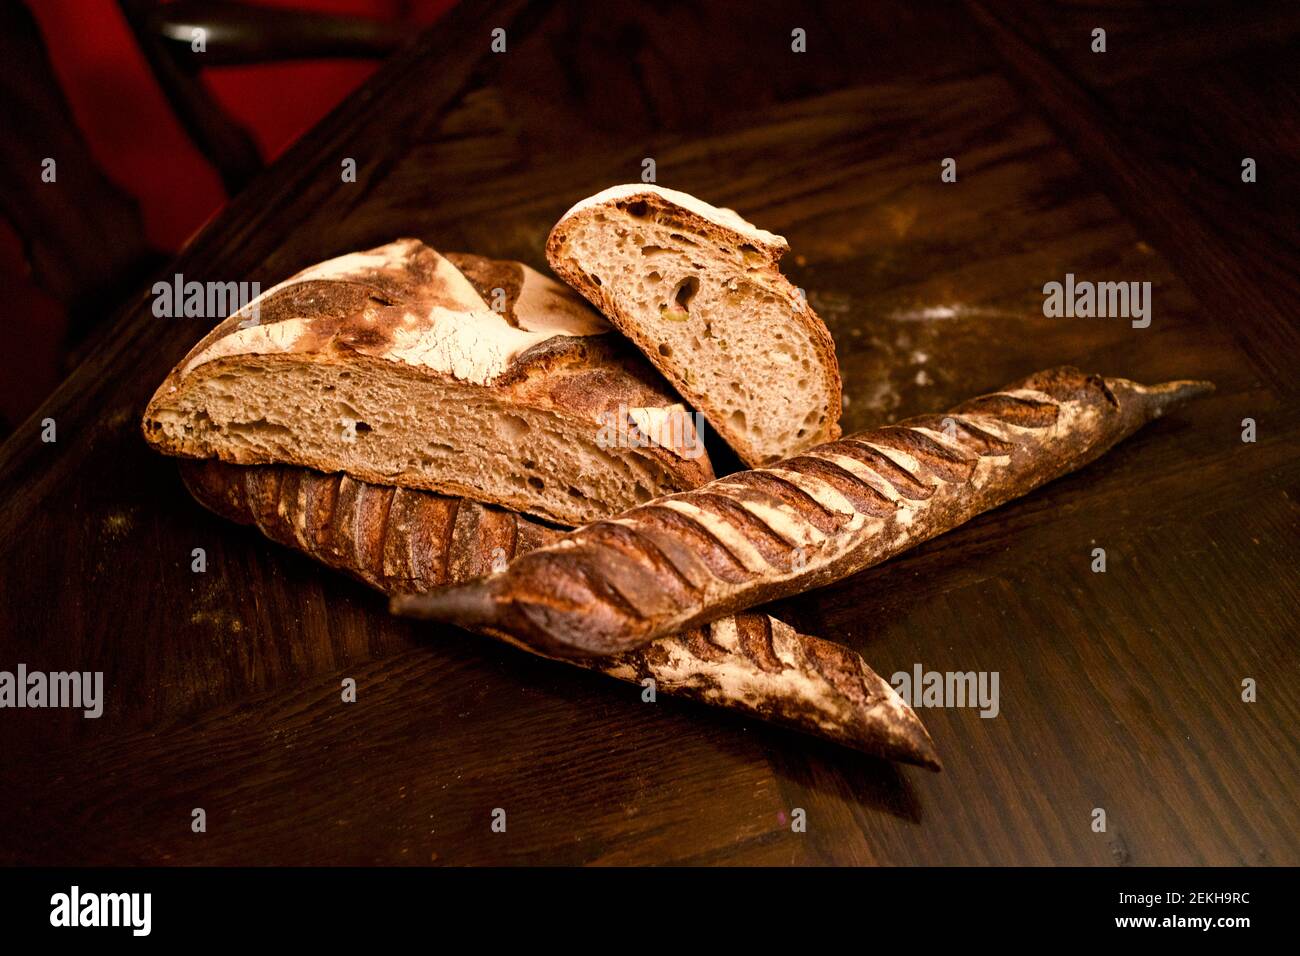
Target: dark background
{"points": [[140, 145], [1118, 690]]}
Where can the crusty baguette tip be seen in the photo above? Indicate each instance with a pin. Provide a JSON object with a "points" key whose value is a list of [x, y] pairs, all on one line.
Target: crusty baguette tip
{"points": [[402, 539]]}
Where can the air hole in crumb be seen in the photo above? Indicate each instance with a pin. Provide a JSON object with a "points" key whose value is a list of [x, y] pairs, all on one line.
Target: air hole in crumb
{"points": [[684, 292], [536, 482], [363, 427], [654, 277], [596, 280], [637, 209], [513, 427], [575, 493], [653, 250], [665, 349]]}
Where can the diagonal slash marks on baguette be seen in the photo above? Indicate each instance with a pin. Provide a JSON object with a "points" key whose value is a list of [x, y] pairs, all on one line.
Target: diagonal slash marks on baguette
{"points": [[841, 506], [397, 539]]}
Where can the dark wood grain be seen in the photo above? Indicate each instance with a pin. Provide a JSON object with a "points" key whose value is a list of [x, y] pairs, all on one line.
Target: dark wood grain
{"points": [[1118, 690], [1232, 241]]}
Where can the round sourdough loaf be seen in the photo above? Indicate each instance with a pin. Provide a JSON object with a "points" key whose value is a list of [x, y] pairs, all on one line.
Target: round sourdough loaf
{"points": [[458, 374]]}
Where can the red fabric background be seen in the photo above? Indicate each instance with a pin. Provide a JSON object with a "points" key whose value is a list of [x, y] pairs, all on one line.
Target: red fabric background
{"points": [[140, 146]]}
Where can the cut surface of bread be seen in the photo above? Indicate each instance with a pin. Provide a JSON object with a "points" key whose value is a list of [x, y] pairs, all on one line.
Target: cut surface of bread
{"points": [[697, 288], [391, 366]]}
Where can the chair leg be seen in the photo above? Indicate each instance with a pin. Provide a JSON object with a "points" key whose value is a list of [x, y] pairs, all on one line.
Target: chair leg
{"points": [[226, 143], [82, 235]]}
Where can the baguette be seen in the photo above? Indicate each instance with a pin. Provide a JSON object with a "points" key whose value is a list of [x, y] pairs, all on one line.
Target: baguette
{"points": [[760, 535], [458, 374], [698, 290], [399, 539]]}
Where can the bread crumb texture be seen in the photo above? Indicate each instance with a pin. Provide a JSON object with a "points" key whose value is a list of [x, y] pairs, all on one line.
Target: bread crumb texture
{"points": [[697, 288]]}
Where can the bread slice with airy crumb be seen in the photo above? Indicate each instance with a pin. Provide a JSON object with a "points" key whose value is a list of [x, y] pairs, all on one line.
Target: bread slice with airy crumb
{"points": [[391, 366], [697, 288]]}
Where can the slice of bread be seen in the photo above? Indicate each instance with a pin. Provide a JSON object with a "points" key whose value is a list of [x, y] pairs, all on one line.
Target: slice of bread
{"points": [[392, 366], [698, 290]]}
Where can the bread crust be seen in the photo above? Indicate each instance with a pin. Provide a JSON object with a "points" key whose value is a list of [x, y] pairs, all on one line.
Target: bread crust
{"points": [[370, 309], [721, 226], [399, 539], [761, 535]]}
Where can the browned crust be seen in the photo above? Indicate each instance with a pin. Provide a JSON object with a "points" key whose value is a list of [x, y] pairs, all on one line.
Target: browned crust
{"points": [[326, 298], [599, 296], [488, 275], [586, 595], [399, 540]]}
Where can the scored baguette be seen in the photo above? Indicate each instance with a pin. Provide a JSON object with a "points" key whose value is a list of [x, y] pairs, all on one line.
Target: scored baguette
{"points": [[760, 535], [399, 539], [697, 288], [458, 374]]}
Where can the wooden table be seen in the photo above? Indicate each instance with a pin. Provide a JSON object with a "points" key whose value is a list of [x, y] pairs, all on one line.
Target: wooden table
{"points": [[1120, 691]]}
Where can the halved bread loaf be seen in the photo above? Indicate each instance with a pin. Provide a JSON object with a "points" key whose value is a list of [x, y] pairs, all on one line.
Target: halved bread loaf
{"points": [[697, 288], [391, 366]]}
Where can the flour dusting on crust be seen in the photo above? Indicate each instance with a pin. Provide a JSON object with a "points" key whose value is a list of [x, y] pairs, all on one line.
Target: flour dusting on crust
{"points": [[718, 215], [423, 312]]}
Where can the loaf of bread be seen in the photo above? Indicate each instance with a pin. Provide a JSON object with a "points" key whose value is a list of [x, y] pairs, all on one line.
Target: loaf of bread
{"points": [[457, 374], [756, 536], [398, 539], [698, 290]]}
